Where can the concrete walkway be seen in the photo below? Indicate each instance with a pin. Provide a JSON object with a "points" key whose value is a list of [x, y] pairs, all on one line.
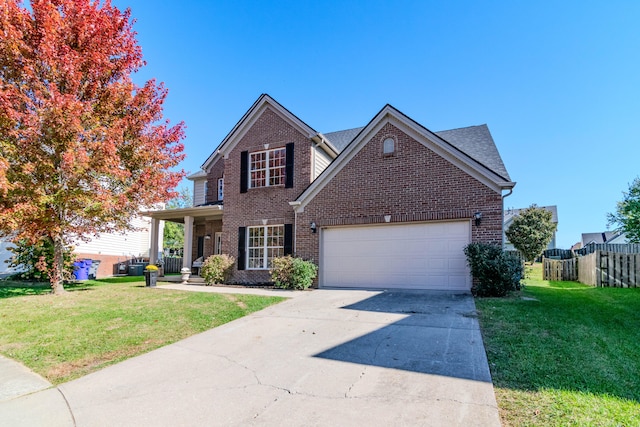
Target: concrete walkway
{"points": [[323, 358]]}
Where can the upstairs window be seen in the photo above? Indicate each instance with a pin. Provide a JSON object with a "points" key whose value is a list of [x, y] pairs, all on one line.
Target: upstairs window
{"points": [[267, 168], [220, 188]]}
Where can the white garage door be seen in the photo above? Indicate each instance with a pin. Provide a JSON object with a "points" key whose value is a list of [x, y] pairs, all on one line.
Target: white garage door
{"points": [[410, 256]]}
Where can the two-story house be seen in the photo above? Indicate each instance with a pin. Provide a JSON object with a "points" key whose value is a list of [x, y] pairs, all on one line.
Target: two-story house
{"points": [[390, 204]]}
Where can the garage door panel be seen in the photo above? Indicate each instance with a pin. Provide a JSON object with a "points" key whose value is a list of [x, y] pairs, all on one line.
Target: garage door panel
{"points": [[418, 256]]}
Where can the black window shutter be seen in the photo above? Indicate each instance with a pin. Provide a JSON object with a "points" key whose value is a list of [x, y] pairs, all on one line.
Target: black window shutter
{"points": [[288, 239], [242, 247], [288, 171], [244, 171]]}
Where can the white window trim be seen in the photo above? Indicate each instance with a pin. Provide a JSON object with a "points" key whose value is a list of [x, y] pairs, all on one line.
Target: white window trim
{"points": [[220, 188], [268, 169], [265, 247]]}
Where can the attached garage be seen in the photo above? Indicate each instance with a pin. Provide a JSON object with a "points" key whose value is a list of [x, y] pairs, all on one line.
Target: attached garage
{"points": [[403, 256]]}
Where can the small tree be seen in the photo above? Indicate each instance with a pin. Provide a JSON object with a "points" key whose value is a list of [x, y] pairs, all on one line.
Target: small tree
{"points": [[173, 237], [531, 231], [627, 214]]}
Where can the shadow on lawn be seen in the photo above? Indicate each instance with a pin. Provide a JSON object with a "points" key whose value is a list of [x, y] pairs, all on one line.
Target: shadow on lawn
{"points": [[12, 288]]}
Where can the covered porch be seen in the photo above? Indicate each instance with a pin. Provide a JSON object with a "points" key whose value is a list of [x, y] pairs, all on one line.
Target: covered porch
{"points": [[202, 231]]}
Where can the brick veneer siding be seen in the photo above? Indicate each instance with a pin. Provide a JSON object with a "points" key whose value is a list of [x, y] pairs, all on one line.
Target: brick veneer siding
{"points": [[413, 184], [216, 172], [258, 204]]}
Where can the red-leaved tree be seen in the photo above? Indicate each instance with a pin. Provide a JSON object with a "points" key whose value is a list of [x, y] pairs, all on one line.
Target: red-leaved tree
{"points": [[82, 148]]}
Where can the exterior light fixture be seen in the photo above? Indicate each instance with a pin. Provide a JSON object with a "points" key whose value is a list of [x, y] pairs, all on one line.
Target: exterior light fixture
{"points": [[314, 228], [477, 217], [207, 237]]}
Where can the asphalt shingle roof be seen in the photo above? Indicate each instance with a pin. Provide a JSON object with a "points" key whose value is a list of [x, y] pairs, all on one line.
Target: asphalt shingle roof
{"points": [[477, 143], [342, 138]]}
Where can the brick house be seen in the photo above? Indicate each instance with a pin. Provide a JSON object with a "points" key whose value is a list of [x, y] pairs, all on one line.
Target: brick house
{"points": [[390, 204]]}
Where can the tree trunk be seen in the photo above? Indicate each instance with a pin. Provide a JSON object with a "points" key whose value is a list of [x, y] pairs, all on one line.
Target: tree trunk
{"points": [[56, 273]]}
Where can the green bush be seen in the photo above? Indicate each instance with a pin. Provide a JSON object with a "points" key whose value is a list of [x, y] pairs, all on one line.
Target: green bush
{"points": [[36, 260], [216, 268], [496, 272], [293, 273]]}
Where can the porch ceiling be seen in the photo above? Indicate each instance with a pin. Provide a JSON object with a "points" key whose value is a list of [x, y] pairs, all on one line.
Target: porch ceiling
{"points": [[199, 214]]}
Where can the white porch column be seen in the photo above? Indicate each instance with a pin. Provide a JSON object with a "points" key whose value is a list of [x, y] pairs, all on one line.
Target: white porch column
{"points": [[153, 250], [188, 242]]}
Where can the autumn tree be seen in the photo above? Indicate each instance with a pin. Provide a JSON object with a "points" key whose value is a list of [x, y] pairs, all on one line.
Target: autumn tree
{"points": [[531, 231], [82, 147], [627, 215]]}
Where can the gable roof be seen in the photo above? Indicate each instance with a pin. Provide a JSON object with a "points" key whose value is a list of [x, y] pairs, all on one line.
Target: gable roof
{"points": [[602, 237], [457, 156], [263, 102], [475, 141]]}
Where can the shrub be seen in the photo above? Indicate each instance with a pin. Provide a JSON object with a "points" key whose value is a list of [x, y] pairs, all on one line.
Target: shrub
{"points": [[216, 268], [36, 260], [496, 272], [293, 273]]}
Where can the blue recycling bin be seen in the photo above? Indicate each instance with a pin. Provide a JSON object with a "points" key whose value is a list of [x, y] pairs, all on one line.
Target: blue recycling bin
{"points": [[81, 270]]}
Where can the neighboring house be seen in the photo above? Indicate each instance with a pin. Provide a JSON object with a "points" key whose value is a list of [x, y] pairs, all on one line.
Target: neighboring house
{"points": [[109, 248], [387, 205], [5, 256], [511, 213], [112, 249], [604, 237]]}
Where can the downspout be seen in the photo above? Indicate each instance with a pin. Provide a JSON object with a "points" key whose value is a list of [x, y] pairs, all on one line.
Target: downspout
{"points": [[295, 206], [503, 231]]}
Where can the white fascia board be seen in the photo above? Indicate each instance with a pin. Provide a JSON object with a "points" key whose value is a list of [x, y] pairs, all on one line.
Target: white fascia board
{"points": [[420, 134], [254, 114], [451, 154]]}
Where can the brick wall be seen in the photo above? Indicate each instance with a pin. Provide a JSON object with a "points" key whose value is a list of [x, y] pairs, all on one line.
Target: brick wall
{"points": [[268, 203], [413, 184], [216, 172]]}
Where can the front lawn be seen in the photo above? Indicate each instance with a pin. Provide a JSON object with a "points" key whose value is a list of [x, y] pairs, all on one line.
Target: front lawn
{"points": [[564, 354], [98, 323]]}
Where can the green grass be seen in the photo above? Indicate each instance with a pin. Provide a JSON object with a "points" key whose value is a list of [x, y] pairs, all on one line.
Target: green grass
{"points": [[564, 354], [98, 323]]}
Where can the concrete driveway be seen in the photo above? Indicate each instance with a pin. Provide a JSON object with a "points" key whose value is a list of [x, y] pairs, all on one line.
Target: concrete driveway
{"points": [[326, 358]]}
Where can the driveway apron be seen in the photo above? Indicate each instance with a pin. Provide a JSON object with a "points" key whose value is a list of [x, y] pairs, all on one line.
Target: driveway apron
{"points": [[327, 358]]}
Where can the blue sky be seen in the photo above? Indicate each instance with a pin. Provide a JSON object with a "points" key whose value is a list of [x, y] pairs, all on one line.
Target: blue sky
{"points": [[558, 83]]}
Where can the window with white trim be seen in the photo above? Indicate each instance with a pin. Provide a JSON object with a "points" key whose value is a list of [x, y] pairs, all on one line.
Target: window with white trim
{"points": [[220, 188], [267, 168], [264, 243]]}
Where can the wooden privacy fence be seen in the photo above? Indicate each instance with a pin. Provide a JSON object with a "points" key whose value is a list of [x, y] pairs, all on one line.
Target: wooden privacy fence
{"points": [[600, 268], [627, 248], [617, 269], [560, 270], [172, 264]]}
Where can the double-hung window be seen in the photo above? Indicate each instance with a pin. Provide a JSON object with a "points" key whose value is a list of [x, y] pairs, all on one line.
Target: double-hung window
{"points": [[263, 244], [267, 168]]}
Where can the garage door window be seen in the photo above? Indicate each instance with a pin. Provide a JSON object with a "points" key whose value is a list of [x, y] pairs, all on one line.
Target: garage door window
{"points": [[263, 244]]}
